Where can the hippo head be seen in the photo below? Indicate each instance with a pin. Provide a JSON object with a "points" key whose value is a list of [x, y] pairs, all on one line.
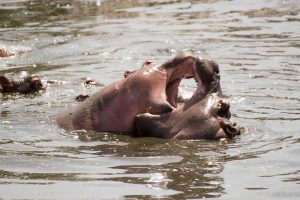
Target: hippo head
{"points": [[23, 83], [206, 119], [204, 116], [28, 82]]}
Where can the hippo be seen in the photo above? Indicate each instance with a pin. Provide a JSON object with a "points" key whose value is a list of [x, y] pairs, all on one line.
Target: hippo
{"points": [[206, 119], [24, 83], [152, 89], [204, 116]]}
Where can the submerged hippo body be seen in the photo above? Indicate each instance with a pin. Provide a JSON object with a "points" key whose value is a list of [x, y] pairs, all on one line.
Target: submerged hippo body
{"points": [[206, 119], [151, 89]]}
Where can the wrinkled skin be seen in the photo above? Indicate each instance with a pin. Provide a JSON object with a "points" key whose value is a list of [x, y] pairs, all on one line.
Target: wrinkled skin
{"points": [[204, 116], [25, 83], [152, 89], [206, 119]]}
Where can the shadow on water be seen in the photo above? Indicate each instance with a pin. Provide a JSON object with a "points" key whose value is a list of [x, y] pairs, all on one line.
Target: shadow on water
{"points": [[256, 44]]}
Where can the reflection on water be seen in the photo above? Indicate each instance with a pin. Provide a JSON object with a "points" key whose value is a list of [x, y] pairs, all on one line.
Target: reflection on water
{"points": [[256, 44]]}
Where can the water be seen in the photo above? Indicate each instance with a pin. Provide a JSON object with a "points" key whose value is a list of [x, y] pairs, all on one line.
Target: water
{"points": [[256, 44]]}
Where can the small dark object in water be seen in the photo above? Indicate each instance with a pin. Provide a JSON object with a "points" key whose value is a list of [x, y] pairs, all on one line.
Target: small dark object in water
{"points": [[5, 53], [81, 97], [90, 82]]}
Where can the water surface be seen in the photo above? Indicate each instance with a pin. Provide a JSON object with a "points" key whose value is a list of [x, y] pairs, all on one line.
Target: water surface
{"points": [[256, 44]]}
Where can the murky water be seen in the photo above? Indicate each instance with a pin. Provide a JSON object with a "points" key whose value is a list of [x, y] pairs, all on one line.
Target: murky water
{"points": [[256, 43]]}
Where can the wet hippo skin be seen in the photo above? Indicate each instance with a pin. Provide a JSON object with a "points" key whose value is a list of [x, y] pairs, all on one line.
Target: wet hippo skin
{"points": [[204, 116], [152, 89], [206, 119]]}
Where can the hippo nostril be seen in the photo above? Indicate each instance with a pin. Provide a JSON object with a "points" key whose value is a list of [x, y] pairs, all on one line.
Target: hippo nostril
{"points": [[230, 129]]}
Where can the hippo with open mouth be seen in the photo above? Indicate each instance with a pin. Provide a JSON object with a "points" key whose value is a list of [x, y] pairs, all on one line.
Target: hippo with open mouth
{"points": [[204, 116], [151, 89]]}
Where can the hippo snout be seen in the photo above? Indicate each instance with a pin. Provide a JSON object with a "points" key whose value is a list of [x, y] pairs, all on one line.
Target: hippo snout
{"points": [[230, 129]]}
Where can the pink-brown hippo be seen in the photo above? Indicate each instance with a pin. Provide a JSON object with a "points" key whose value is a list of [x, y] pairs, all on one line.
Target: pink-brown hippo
{"points": [[204, 116], [152, 89], [206, 119]]}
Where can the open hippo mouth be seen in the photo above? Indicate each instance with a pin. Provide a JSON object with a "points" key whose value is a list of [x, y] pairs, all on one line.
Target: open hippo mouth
{"points": [[172, 89]]}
